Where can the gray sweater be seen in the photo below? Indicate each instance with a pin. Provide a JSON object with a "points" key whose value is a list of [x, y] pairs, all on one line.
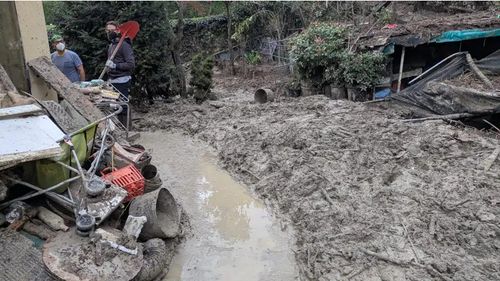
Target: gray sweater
{"points": [[124, 59]]}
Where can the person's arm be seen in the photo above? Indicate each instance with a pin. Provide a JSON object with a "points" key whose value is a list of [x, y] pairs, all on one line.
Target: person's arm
{"points": [[79, 66], [128, 55], [81, 71]]}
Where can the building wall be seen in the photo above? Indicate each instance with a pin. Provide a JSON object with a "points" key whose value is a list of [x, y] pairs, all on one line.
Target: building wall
{"points": [[24, 37], [11, 47]]}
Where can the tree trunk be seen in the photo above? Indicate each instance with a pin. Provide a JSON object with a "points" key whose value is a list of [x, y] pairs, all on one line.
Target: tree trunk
{"points": [[174, 47], [229, 43], [177, 46], [279, 47]]}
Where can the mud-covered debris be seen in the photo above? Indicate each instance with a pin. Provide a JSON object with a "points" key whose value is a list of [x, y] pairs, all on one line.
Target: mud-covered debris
{"points": [[350, 177]]}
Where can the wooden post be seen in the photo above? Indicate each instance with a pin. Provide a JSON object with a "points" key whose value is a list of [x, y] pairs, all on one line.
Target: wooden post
{"points": [[401, 63]]}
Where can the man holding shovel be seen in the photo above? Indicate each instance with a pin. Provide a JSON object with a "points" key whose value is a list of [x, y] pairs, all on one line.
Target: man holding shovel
{"points": [[120, 67]]}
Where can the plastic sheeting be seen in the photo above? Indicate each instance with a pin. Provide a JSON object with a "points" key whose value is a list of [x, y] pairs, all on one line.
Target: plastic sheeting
{"points": [[490, 64], [468, 34], [436, 98]]}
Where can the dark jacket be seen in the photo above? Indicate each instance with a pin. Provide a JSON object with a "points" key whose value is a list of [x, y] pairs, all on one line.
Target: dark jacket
{"points": [[124, 59]]}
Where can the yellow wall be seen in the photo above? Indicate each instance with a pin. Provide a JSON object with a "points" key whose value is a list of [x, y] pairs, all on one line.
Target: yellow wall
{"points": [[32, 26], [35, 43]]}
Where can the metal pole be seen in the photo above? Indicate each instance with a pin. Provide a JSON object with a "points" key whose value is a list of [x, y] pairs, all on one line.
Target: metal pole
{"points": [[95, 163], [401, 63], [118, 111], [39, 190], [68, 167]]}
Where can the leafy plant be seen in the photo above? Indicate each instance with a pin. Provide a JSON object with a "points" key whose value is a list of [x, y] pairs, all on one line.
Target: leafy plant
{"points": [[362, 70], [321, 56], [317, 49], [201, 76], [244, 27], [253, 58]]}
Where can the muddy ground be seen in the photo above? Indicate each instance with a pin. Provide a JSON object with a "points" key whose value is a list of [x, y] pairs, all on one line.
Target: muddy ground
{"points": [[369, 197]]}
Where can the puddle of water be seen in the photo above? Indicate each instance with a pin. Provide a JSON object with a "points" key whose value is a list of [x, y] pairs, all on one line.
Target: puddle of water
{"points": [[234, 237]]}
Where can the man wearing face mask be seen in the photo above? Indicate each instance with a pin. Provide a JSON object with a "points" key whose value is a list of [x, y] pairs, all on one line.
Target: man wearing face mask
{"points": [[67, 61], [121, 67]]}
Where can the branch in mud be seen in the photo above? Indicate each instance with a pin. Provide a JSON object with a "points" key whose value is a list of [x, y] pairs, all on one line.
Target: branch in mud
{"points": [[388, 259], [442, 117]]}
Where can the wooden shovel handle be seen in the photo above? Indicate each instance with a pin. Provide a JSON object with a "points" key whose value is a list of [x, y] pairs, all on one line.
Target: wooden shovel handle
{"points": [[113, 54]]}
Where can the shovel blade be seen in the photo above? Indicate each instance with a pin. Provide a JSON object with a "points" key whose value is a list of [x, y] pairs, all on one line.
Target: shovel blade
{"points": [[129, 29]]}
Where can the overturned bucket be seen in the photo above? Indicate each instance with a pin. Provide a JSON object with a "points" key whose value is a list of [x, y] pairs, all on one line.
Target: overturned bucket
{"points": [[160, 209], [263, 95]]}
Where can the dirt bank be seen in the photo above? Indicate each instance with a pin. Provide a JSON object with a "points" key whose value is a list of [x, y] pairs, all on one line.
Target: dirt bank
{"points": [[369, 197]]}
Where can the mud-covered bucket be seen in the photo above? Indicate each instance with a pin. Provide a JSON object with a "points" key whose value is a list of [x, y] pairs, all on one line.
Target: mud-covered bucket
{"points": [[263, 95], [160, 209]]}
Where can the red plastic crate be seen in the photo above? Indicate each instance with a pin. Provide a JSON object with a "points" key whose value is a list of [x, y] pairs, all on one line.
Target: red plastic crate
{"points": [[128, 178]]}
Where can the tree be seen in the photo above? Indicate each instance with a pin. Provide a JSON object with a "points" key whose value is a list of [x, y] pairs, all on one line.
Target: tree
{"points": [[201, 72], [82, 24], [273, 18], [229, 33], [175, 45]]}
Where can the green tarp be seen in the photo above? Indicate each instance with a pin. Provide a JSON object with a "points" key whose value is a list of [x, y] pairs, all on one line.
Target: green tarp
{"points": [[468, 34]]}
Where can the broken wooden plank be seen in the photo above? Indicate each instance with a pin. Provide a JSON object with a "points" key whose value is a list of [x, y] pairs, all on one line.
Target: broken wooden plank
{"points": [[18, 111], [43, 67]]}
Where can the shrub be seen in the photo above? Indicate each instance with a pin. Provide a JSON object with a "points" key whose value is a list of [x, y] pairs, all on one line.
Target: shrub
{"points": [[321, 56], [201, 76], [318, 48], [253, 58], [362, 70]]}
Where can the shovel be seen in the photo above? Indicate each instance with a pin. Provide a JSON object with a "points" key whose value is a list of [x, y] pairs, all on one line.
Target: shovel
{"points": [[128, 29]]}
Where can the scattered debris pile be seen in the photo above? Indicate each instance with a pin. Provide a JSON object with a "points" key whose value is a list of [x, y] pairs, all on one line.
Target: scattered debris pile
{"points": [[421, 28], [72, 184], [437, 93], [370, 197]]}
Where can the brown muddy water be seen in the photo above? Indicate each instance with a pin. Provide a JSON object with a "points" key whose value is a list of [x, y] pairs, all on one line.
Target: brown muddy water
{"points": [[233, 236]]}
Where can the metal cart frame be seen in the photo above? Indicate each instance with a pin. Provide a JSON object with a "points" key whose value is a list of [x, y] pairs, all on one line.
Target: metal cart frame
{"points": [[122, 101]]}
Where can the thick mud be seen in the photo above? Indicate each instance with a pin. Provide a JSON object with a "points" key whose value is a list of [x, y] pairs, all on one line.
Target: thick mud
{"points": [[370, 197], [233, 236]]}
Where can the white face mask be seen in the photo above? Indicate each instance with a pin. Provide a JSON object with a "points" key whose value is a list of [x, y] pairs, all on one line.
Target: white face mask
{"points": [[60, 46]]}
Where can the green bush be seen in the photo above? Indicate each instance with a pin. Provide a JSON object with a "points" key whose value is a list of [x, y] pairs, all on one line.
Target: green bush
{"points": [[317, 49], [362, 70], [253, 58], [321, 56], [201, 76]]}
